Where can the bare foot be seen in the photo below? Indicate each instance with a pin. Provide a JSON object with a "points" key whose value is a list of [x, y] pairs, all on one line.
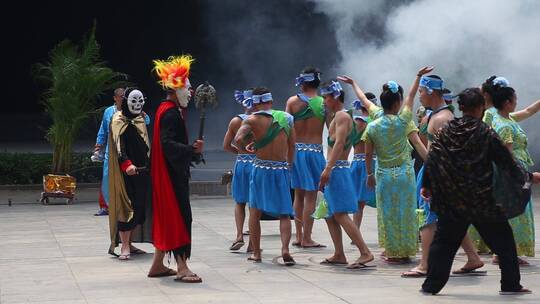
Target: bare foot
{"points": [[473, 265], [312, 244], [255, 258], [188, 276], [333, 260], [419, 269], [365, 258]]}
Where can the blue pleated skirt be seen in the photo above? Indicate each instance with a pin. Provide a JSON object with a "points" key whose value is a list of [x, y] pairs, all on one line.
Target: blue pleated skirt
{"points": [[269, 188], [307, 167]]}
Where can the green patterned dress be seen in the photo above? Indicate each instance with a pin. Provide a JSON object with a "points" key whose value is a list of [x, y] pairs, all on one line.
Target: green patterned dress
{"points": [[396, 182], [523, 226]]}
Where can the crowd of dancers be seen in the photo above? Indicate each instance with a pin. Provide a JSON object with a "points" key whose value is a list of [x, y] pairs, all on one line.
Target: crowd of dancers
{"points": [[282, 150], [473, 189]]}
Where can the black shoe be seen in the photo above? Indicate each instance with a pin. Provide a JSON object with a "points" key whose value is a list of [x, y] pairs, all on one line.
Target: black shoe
{"points": [[427, 293]]}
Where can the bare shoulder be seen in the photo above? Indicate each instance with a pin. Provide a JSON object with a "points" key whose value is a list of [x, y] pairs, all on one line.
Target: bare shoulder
{"points": [[442, 118], [292, 99], [235, 123], [342, 116]]}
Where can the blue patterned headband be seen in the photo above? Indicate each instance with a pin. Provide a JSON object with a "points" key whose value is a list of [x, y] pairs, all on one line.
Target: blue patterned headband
{"points": [[448, 96], [431, 83], [240, 96], [305, 77], [262, 98], [334, 89], [501, 82]]}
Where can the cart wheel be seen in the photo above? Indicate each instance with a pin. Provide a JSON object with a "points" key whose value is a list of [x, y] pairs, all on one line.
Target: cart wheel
{"points": [[69, 201], [45, 201]]}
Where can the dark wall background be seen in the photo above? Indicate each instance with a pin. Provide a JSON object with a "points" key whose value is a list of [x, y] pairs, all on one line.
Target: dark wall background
{"points": [[237, 44]]}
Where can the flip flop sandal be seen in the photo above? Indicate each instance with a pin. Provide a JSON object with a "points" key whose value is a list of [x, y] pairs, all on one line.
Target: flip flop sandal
{"points": [[237, 245], [357, 265], [245, 232], [296, 244], [413, 274], [169, 272], [137, 251], [182, 279], [331, 263], [259, 260], [469, 272], [124, 257], [314, 246], [288, 260]]}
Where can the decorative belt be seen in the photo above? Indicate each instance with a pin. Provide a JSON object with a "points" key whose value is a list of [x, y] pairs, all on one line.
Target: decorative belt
{"points": [[341, 164], [270, 164], [361, 157], [309, 147], [245, 158]]}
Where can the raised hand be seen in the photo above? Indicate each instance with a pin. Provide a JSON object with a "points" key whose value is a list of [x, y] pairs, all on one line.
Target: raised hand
{"points": [[425, 70], [346, 79]]}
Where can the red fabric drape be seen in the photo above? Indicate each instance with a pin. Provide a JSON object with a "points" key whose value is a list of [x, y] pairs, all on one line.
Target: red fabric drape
{"points": [[168, 230]]}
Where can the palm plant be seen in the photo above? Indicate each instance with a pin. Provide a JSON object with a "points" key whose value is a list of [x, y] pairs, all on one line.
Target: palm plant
{"points": [[76, 76]]}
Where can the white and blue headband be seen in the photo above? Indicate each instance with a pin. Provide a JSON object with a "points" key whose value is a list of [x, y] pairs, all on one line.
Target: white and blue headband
{"points": [[357, 104], [431, 83], [501, 82], [241, 95], [256, 99], [448, 96], [306, 77], [334, 89]]}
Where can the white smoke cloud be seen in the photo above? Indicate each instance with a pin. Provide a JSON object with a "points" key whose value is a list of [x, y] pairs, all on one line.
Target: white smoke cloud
{"points": [[467, 41]]}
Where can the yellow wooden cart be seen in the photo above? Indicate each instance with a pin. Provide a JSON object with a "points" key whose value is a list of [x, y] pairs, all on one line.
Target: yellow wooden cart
{"points": [[58, 186]]}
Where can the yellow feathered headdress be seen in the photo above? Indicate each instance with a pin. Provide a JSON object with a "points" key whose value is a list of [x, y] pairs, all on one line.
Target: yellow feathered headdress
{"points": [[174, 71]]}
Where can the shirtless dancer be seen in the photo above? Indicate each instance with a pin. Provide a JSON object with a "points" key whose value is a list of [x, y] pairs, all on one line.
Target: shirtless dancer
{"points": [[309, 118]]}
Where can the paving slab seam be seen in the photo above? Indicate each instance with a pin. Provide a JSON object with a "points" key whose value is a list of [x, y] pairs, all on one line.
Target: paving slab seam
{"points": [[319, 287], [65, 260]]}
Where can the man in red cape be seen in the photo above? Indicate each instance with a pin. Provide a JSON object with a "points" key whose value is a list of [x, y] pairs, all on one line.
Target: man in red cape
{"points": [[171, 156]]}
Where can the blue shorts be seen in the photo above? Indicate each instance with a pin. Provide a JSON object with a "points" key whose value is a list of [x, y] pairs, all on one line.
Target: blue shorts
{"points": [[269, 188], [359, 176], [240, 181], [338, 193], [429, 216], [308, 165]]}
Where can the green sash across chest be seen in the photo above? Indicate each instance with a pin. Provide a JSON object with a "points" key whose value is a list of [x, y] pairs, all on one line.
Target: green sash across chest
{"points": [[314, 108], [280, 122]]}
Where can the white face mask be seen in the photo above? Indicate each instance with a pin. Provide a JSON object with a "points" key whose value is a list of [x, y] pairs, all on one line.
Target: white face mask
{"points": [[135, 101], [184, 95]]}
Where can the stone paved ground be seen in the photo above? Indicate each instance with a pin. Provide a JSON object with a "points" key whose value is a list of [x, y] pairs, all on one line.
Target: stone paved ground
{"points": [[57, 254]]}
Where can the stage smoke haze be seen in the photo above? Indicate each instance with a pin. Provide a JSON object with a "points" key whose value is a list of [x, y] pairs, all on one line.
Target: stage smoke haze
{"points": [[466, 41], [262, 43]]}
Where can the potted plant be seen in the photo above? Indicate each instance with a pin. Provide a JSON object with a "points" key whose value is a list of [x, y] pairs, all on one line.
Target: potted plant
{"points": [[75, 76]]}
